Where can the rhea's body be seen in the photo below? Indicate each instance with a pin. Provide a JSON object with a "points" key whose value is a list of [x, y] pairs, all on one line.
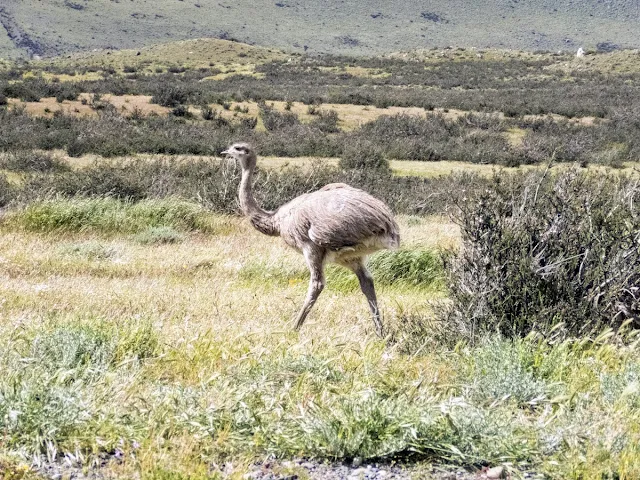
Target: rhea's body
{"points": [[337, 218]]}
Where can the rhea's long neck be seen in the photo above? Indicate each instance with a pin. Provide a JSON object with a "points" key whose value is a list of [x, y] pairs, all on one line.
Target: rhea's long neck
{"points": [[260, 219]]}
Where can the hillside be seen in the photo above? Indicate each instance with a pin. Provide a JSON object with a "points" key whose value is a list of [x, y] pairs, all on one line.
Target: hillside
{"points": [[33, 27]]}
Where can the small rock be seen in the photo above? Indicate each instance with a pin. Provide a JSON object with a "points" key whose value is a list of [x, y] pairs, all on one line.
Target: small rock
{"points": [[307, 465], [357, 461], [495, 472], [253, 475]]}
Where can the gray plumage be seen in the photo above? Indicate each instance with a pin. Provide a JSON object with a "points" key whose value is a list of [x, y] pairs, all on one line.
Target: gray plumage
{"points": [[337, 223]]}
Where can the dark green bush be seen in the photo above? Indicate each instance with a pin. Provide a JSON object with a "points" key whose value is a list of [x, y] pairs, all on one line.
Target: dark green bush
{"points": [[274, 120], [29, 160], [365, 156], [478, 138], [541, 249], [181, 111], [326, 121], [170, 96], [25, 91], [7, 192]]}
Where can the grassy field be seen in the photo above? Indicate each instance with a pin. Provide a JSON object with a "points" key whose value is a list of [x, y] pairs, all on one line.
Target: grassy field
{"points": [[153, 338], [338, 27], [156, 341]]}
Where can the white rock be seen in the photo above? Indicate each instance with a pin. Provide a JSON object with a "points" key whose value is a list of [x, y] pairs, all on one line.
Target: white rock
{"points": [[495, 472]]}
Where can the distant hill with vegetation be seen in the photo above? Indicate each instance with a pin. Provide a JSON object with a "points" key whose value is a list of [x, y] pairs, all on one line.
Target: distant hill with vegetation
{"points": [[45, 28]]}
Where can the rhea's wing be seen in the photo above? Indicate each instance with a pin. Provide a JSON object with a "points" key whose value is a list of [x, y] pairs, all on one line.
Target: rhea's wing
{"points": [[337, 216]]}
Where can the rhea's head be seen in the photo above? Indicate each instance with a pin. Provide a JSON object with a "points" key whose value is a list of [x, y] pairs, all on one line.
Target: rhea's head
{"points": [[243, 153]]}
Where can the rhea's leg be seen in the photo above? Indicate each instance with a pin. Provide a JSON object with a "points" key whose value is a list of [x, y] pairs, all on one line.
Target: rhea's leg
{"points": [[315, 261], [366, 285]]}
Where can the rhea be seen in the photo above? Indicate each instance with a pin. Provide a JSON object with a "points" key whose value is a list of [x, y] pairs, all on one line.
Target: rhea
{"points": [[337, 223]]}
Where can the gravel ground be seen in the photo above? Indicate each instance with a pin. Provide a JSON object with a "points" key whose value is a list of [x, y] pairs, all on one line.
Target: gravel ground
{"points": [[303, 469], [293, 470]]}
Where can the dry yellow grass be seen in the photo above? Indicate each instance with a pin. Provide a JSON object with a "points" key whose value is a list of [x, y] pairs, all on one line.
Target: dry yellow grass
{"points": [[197, 53], [358, 71], [623, 61], [253, 283]]}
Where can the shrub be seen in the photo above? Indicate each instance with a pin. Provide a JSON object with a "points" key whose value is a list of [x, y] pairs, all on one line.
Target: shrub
{"points": [[25, 160], [170, 96], [181, 111], [613, 155], [26, 91], [540, 249], [326, 121], [409, 137], [213, 116], [214, 183], [274, 120], [362, 155], [7, 191], [208, 113]]}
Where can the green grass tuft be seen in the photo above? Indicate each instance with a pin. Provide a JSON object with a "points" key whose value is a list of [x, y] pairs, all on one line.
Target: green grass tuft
{"points": [[160, 235], [400, 269], [416, 268], [90, 250], [108, 215]]}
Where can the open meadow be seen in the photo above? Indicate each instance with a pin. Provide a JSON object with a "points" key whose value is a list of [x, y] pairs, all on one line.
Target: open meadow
{"points": [[146, 327]]}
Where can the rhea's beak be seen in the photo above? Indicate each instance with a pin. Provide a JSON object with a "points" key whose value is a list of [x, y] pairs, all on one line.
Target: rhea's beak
{"points": [[226, 152]]}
